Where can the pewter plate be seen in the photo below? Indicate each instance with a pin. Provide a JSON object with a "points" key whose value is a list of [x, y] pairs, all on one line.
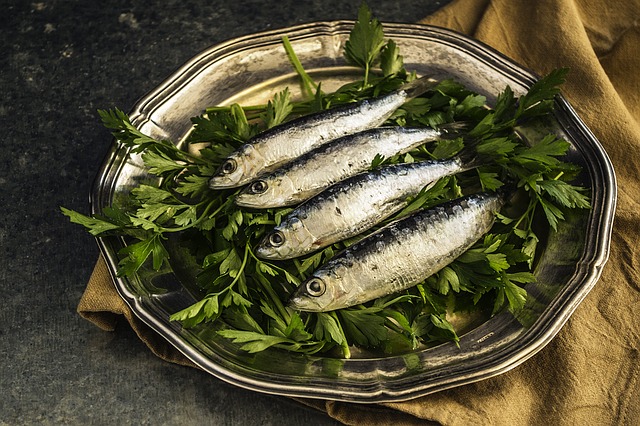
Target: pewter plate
{"points": [[250, 70]]}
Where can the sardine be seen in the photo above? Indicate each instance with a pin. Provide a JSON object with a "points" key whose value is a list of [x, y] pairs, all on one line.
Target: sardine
{"points": [[399, 255], [349, 208], [274, 147], [344, 157]]}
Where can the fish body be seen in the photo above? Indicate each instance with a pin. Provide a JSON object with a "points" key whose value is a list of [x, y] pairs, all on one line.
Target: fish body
{"points": [[342, 158], [283, 143], [352, 206], [399, 255]]}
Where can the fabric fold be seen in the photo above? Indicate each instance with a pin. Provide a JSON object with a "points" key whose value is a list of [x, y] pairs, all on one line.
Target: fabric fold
{"points": [[102, 305]]}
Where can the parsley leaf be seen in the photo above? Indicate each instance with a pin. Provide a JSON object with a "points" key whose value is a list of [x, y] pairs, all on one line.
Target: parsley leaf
{"points": [[365, 42], [256, 342], [566, 194], [391, 61], [278, 109], [94, 225], [364, 326], [539, 98], [136, 254]]}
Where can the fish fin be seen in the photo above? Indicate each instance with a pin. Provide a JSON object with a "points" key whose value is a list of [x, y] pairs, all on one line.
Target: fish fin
{"points": [[417, 87]]}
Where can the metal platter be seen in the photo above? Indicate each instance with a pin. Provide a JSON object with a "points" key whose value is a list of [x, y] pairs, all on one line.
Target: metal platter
{"points": [[250, 70]]}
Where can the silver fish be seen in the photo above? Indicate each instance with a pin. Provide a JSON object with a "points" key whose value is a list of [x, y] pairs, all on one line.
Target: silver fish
{"points": [[352, 206], [281, 144], [400, 255], [344, 157]]}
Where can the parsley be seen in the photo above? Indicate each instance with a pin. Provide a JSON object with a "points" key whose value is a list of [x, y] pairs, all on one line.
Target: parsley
{"points": [[95, 225], [278, 110], [391, 62], [365, 42], [309, 86]]}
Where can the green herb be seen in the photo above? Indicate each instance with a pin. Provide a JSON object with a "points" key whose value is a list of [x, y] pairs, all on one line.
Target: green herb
{"points": [[309, 86], [249, 294], [365, 42], [391, 62]]}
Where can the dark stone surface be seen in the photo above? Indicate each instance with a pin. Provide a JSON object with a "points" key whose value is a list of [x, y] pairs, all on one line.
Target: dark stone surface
{"points": [[61, 61]]}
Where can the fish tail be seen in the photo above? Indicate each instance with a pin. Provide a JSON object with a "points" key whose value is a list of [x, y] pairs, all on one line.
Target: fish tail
{"points": [[470, 159], [508, 190], [417, 87], [469, 156], [453, 130]]}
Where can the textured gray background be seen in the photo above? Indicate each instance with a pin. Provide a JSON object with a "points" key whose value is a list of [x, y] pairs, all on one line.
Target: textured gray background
{"points": [[61, 61]]}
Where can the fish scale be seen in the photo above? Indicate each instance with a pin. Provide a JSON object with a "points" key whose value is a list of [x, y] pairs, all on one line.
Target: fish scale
{"points": [[340, 159], [351, 207], [399, 255], [277, 146]]}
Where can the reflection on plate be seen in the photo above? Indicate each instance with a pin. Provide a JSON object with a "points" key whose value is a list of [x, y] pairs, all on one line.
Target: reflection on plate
{"points": [[250, 70]]}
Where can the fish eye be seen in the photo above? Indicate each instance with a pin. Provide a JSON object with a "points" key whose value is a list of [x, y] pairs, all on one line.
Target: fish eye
{"points": [[316, 287], [276, 239], [229, 166], [258, 187]]}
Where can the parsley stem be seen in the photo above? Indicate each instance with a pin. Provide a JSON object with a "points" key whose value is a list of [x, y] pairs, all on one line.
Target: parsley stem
{"points": [[276, 301], [215, 213], [200, 219], [344, 344], [365, 81], [308, 84], [272, 294], [528, 214], [239, 273], [242, 265]]}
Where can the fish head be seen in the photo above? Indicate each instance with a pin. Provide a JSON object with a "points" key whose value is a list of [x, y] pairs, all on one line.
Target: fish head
{"points": [[238, 168], [288, 240], [266, 192], [322, 292]]}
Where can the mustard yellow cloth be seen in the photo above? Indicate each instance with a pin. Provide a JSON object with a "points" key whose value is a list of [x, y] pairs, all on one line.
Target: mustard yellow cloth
{"points": [[589, 373]]}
